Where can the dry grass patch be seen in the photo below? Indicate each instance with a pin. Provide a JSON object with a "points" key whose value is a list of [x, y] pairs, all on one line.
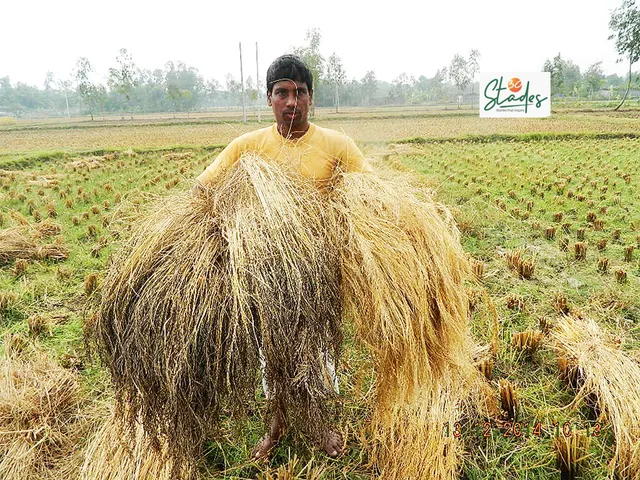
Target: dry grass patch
{"points": [[40, 417], [14, 244]]}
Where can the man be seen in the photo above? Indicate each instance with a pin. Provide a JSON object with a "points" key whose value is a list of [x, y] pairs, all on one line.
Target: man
{"points": [[312, 151]]}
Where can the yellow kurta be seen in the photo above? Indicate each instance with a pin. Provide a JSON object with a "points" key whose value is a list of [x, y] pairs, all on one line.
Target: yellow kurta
{"points": [[316, 155]]}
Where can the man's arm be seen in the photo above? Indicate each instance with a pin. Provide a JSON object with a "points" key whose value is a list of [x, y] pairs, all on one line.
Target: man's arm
{"points": [[352, 158], [224, 160]]}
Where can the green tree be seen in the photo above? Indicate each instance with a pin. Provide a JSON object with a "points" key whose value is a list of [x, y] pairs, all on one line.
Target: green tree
{"points": [[565, 76], [65, 86], [8, 98], [369, 86], [233, 88], [462, 71], [183, 85], [594, 78], [556, 68], [49, 81], [437, 85], [310, 55], [625, 22], [213, 91], [473, 67], [336, 76], [92, 95], [251, 89], [399, 89], [125, 77]]}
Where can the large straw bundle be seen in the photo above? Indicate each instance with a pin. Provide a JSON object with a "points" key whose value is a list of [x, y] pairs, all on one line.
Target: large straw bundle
{"points": [[403, 269], [111, 456], [262, 263], [209, 284], [606, 372]]}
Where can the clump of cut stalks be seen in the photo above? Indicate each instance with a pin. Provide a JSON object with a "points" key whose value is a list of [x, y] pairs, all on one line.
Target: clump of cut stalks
{"points": [[550, 233], [603, 264], [528, 342], [607, 378], [509, 401], [264, 264], [477, 266], [560, 303], [571, 453], [523, 267]]}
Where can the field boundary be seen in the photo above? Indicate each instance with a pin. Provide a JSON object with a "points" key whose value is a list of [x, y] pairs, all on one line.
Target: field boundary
{"points": [[170, 123], [525, 137], [27, 160]]}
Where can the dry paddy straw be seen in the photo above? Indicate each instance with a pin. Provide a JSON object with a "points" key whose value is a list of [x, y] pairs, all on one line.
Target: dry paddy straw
{"points": [[265, 264], [609, 375], [110, 455], [40, 417], [15, 244]]}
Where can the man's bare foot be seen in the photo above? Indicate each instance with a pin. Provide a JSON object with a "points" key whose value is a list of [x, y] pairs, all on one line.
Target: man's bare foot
{"points": [[264, 447], [267, 443], [333, 444]]}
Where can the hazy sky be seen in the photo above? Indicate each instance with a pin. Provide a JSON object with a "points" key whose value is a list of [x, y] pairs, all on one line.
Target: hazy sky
{"points": [[390, 38]]}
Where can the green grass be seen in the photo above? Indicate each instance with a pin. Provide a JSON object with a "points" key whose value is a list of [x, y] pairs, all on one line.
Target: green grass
{"points": [[488, 183]]}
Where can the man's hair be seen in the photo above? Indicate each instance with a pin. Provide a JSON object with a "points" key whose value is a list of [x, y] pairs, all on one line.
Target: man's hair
{"points": [[289, 67]]}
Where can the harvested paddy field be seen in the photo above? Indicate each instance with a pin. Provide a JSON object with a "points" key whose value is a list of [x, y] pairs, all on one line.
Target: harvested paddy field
{"points": [[26, 139], [552, 228]]}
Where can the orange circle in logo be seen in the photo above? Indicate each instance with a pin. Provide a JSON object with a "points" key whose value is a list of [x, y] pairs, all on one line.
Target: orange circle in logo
{"points": [[514, 85]]}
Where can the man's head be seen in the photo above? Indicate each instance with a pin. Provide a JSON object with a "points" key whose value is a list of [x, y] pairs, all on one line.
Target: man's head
{"points": [[290, 93], [290, 67]]}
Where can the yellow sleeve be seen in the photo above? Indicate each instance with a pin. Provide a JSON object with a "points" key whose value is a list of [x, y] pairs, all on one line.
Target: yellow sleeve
{"points": [[352, 158], [223, 161]]}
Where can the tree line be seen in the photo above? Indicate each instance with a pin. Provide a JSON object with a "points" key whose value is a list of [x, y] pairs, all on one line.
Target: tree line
{"points": [[181, 88]]}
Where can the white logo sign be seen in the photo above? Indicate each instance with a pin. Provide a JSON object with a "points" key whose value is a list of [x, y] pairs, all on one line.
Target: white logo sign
{"points": [[515, 94]]}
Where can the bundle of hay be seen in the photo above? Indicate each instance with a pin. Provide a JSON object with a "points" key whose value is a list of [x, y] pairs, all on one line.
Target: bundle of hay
{"points": [[209, 285], [262, 265], [603, 372], [403, 269], [40, 422], [15, 244], [111, 456]]}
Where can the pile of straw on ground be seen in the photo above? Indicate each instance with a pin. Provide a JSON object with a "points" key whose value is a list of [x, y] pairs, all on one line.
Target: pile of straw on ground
{"points": [[40, 418], [109, 455], [264, 264], [608, 374], [15, 244]]}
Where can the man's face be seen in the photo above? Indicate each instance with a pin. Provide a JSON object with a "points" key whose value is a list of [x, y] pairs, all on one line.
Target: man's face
{"points": [[290, 102]]}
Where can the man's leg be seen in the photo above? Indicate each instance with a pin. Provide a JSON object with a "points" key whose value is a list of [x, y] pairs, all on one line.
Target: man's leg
{"points": [[271, 438], [276, 426], [332, 442]]}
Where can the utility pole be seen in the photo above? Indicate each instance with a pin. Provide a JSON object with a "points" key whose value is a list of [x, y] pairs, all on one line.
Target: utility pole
{"points": [[258, 84], [244, 113]]}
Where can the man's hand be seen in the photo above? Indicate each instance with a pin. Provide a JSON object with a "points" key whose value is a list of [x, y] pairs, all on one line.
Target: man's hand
{"points": [[197, 188]]}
